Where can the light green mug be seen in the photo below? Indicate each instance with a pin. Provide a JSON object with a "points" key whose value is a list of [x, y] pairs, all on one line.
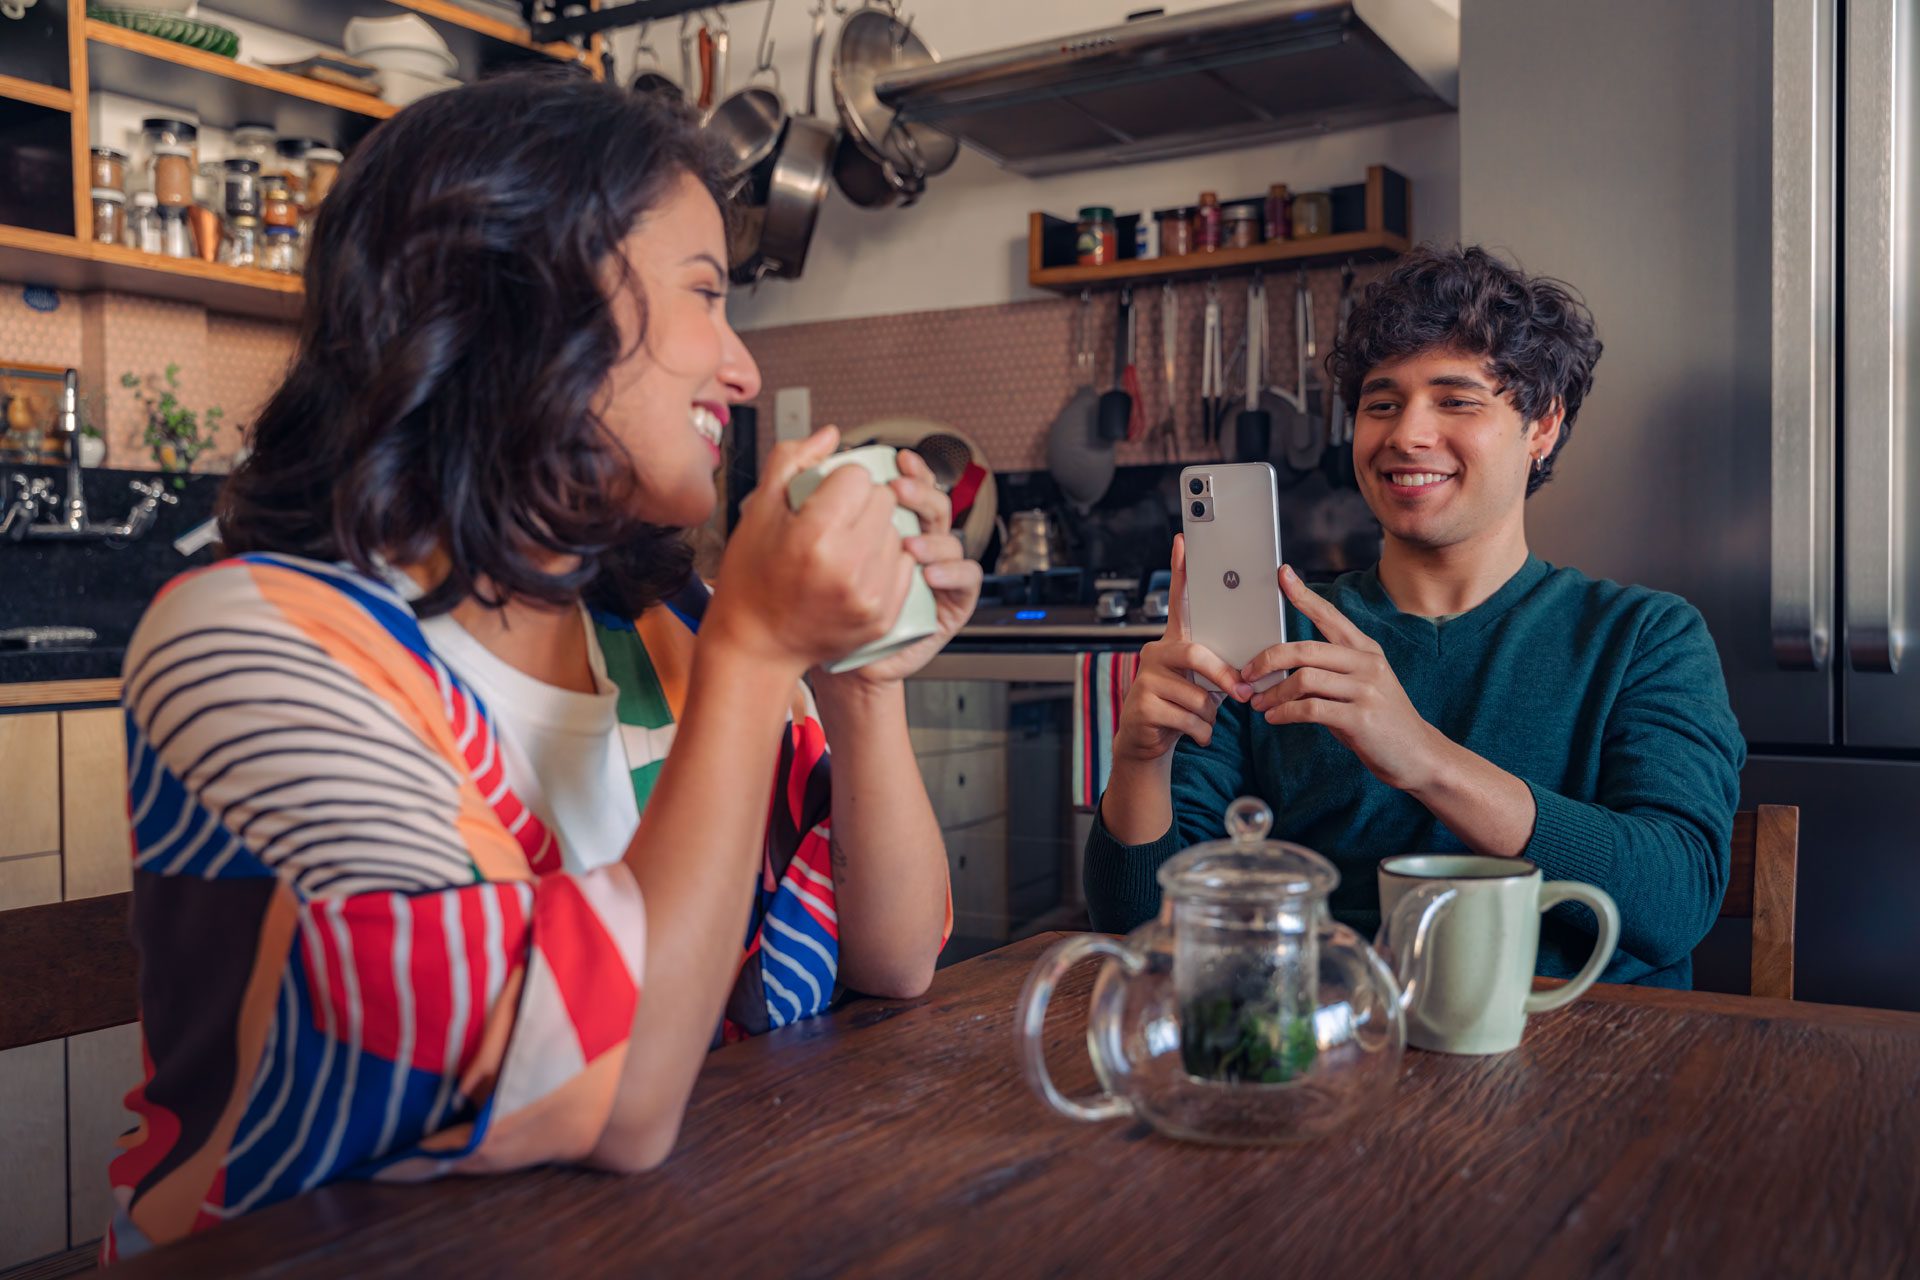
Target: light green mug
{"points": [[918, 616], [1479, 981]]}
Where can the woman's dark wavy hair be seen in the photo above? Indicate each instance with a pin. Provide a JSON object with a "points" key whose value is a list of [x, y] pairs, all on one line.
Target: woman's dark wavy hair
{"points": [[458, 333], [1535, 333]]}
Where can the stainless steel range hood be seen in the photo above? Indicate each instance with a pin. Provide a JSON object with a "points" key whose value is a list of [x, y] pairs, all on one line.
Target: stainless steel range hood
{"points": [[1227, 76]]}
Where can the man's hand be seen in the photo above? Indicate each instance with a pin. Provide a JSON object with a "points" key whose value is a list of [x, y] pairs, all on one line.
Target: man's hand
{"points": [[1162, 703], [1345, 683]]}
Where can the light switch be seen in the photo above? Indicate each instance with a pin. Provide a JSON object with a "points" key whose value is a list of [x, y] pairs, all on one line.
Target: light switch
{"points": [[792, 413]]}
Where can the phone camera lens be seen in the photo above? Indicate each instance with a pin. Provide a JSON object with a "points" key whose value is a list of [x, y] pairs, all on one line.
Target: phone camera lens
{"points": [[1199, 508], [1195, 486]]}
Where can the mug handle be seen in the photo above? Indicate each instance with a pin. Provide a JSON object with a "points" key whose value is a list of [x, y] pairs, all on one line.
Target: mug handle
{"points": [[1032, 1015], [1558, 891]]}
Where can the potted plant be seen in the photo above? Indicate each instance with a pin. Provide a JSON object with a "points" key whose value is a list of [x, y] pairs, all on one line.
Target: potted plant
{"points": [[174, 434]]}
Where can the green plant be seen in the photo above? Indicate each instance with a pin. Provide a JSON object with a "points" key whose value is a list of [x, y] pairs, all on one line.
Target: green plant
{"points": [[175, 435]]}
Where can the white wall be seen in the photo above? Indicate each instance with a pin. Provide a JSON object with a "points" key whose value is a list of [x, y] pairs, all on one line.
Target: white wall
{"points": [[964, 244]]}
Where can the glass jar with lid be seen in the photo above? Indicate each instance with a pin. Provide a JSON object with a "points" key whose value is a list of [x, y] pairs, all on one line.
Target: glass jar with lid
{"points": [[282, 252], [276, 204], [1176, 231], [170, 147], [1098, 239], [1240, 225], [176, 239], [1312, 214], [1207, 223], [242, 245], [253, 142], [109, 169], [143, 222], [242, 188], [293, 153], [109, 215]]}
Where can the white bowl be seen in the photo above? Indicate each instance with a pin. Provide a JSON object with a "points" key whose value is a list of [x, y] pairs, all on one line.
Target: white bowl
{"points": [[400, 57], [404, 87], [402, 29]]}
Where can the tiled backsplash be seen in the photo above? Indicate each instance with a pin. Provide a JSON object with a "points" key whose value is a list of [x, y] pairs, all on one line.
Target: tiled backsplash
{"points": [[999, 374]]}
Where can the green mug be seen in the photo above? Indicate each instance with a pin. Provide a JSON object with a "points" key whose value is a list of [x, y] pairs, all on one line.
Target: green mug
{"points": [[919, 618], [1478, 986]]}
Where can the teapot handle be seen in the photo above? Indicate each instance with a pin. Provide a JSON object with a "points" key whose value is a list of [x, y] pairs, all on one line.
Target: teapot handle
{"points": [[1413, 917], [1030, 1021]]}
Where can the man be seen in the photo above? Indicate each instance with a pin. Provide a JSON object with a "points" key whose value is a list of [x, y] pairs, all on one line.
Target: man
{"points": [[1461, 694]]}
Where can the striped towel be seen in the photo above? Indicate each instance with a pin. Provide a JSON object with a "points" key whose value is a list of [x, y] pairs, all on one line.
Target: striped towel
{"points": [[1099, 687]]}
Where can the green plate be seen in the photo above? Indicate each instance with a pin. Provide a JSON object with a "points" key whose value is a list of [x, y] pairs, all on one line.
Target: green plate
{"points": [[171, 26]]}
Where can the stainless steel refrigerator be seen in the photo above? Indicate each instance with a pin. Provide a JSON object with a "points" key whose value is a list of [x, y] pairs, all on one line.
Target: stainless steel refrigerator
{"points": [[1731, 184]]}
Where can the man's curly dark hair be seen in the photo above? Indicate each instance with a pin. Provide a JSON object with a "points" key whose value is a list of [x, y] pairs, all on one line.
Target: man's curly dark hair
{"points": [[1536, 333]]}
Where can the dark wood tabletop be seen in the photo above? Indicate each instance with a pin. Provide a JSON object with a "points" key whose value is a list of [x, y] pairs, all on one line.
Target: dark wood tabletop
{"points": [[1638, 1132]]}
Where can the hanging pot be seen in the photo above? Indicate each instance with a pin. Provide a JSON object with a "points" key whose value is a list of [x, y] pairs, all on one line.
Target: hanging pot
{"points": [[748, 124], [885, 160]]}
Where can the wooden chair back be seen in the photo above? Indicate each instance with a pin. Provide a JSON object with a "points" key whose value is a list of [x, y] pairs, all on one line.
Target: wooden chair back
{"points": [[1766, 858], [66, 968]]}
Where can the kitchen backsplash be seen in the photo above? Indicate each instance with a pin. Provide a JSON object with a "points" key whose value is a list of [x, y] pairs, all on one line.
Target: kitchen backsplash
{"points": [[999, 374]]}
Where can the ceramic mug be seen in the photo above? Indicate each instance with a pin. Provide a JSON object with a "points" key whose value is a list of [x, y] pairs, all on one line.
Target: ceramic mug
{"points": [[1482, 950], [918, 616]]}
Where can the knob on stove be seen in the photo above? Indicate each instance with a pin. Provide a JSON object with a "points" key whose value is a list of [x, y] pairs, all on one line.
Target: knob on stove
{"points": [[1111, 606]]}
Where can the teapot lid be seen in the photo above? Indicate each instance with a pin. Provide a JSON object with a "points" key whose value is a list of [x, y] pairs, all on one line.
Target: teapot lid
{"points": [[1247, 865]]}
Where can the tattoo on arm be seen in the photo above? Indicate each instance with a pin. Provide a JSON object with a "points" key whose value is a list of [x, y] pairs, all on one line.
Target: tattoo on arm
{"points": [[837, 851]]}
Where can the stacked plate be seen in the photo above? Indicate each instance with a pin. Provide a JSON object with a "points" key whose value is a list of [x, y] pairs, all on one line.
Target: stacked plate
{"points": [[412, 58]]}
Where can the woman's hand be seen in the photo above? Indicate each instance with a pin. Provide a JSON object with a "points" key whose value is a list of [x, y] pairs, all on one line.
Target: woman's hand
{"points": [[954, 578], [1163, 704], [798, 588]]}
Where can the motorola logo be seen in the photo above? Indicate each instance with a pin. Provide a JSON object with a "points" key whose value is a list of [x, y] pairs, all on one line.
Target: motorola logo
{"points": [[1232, 580]]}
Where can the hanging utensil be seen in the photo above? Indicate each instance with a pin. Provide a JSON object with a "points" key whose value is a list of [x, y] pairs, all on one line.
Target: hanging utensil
{"points": [[1116, 406], [705, 41], [648, 75], [721, 39], [1080, 462], [1337, 464], [1137, 419], [881, 160], [747, 125], [1168, 431], [1212, 369], [1304, 445], [797, 184], [1253, 430]]}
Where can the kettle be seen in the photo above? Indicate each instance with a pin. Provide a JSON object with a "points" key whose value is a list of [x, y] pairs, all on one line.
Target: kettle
{"points": [[1027, 541]]}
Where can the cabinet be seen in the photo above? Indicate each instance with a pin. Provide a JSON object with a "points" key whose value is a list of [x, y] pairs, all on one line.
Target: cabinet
{"points": [[64, 836]]}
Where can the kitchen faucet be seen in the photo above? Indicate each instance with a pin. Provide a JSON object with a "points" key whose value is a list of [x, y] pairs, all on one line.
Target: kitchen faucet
{"points": [[20, 516]]}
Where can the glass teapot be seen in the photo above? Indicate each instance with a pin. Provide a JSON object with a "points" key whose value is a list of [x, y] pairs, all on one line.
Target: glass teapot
{"points": [[1244, 1013]]}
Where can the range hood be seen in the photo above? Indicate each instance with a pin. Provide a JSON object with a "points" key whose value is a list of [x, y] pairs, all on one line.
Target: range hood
{"points": [[1230, 75]]}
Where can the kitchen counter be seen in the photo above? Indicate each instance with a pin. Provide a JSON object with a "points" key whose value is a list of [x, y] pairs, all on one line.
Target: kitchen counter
{"points": [[40, 679]]}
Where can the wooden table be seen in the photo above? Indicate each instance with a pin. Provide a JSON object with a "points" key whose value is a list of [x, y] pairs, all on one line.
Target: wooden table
{"points": [[1639, 1132]]}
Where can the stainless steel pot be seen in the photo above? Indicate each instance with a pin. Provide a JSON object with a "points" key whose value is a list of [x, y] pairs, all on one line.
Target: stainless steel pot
{"points": [[885, 160]]}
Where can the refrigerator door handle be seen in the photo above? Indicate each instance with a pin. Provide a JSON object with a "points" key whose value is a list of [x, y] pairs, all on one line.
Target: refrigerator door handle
{"points": [[1878, 316], [1803, 332]]}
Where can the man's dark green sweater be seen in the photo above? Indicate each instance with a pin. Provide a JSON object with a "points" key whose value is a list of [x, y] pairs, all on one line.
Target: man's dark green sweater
{"points": [[1608, 701]]}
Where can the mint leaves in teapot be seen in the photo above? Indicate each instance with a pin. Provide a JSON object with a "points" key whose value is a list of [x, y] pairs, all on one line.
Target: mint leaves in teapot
{"points": [[1244, 1032]]}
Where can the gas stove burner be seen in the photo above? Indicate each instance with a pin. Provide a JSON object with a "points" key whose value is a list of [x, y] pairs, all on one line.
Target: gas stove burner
{"points": [[47, 637]]}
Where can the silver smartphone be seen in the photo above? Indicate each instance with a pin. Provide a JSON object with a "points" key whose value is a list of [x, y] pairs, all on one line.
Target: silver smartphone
{"points": [[1230, 514]]}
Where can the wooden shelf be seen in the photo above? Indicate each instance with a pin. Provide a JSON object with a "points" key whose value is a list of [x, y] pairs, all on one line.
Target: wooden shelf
{"points": [[35, 257], [1383, 237], [493, 28], [232, 92], [40, 95], [1353, 244]]}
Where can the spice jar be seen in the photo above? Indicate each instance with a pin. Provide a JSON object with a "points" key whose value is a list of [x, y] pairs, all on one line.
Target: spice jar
{"points": [[294, 164], [170, 146], [143, 223], [242, 245], [1207, 223], [1312, 214], [109, 215], [1279, 211], [282, 253], [1240, 225], [109, 169], [242, 183], [323, 170], [1099, 239], [1176, 232], [208, 183], [276, 204], [253, 142]]}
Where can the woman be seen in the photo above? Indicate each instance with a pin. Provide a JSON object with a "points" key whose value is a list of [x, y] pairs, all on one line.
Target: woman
{"points": [[446, 827]]}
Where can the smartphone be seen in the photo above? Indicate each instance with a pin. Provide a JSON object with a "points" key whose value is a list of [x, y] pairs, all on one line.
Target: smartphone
{"points": [[1230, 513]]}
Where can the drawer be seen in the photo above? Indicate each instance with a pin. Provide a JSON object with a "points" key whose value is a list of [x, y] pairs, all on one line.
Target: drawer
{"points": [[956, 715], [966, 786], [30, 779], [977, 867]]}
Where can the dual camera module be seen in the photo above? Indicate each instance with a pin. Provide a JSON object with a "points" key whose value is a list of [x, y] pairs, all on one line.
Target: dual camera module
{"points": [[1200, 503]]}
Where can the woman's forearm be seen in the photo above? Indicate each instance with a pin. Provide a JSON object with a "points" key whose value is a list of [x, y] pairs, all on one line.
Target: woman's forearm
{"points": [[695, 856], [889, 861]]}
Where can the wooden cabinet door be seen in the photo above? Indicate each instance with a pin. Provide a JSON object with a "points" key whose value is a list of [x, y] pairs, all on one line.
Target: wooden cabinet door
{"points": [[93, 771], [33, 1172]]}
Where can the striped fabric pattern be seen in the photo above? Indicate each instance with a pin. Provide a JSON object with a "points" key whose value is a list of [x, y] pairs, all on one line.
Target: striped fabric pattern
{"points": [[1100, 687], [360, 956]]}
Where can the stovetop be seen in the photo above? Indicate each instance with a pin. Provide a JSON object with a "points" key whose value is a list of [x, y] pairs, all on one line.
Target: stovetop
{"points": [[1019, 624]]}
